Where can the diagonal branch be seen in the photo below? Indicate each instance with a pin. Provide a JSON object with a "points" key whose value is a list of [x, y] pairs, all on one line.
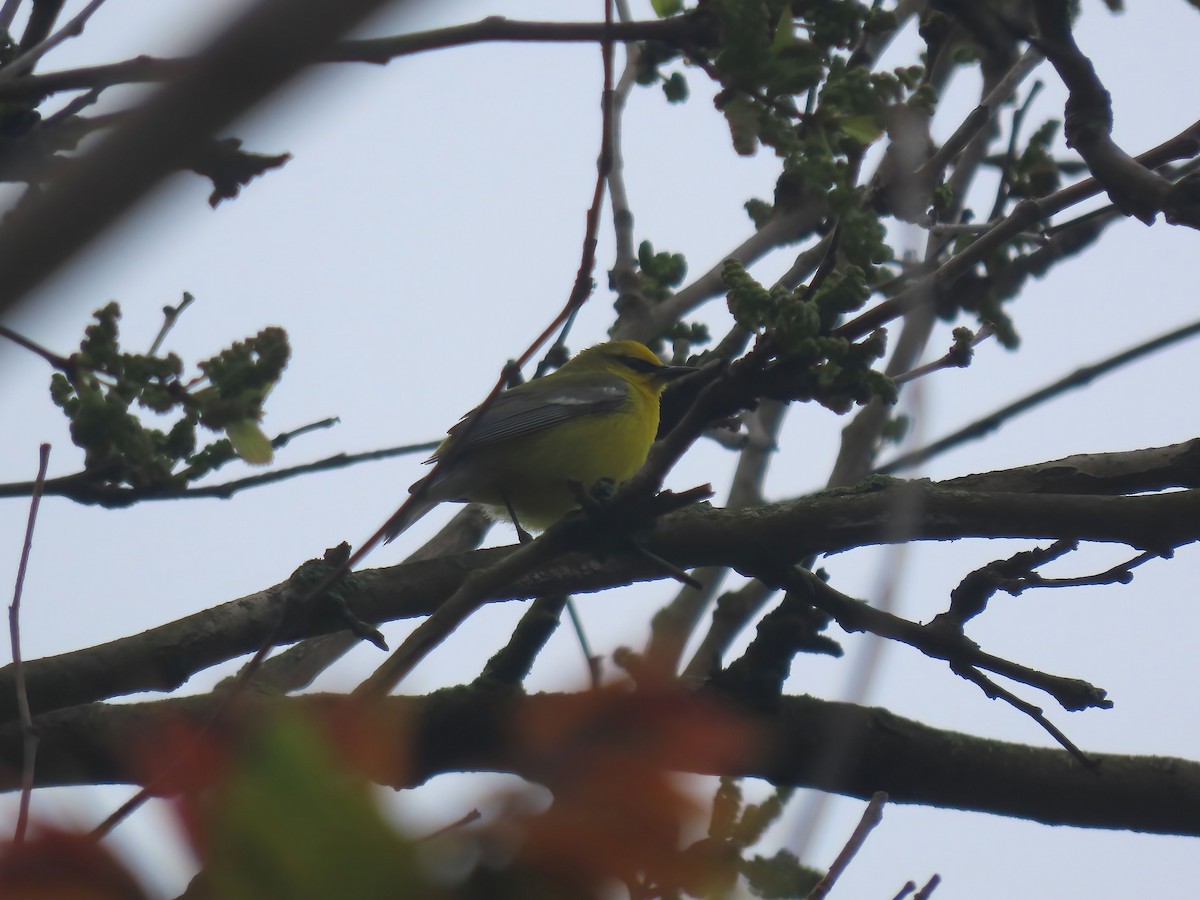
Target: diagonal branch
{"points": [[1077, 379], [1024, 216], [947, 644], [24, 63], [1133, 187]]}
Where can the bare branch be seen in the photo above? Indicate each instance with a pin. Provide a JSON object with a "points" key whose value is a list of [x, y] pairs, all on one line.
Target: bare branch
{"points": [[674, 31], [994, 691], [82, 489], [1077, 379], [143, 69], [24, 63], [29, 736], [871, 817]]}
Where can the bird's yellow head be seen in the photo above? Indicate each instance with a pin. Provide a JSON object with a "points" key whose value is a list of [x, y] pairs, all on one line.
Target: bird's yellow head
{"points": [[630, 360]]}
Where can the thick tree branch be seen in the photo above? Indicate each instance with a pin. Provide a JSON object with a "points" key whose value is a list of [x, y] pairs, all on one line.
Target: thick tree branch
{"points": [[1133, 187], [749, 540], [471, 729], [1127, 472]]}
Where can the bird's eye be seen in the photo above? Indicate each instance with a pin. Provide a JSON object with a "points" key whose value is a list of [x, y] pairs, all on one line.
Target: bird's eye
{"points": [[639, 365]]}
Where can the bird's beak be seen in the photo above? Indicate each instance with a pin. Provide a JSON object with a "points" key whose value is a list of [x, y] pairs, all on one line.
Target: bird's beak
{"points": [[670, 373]]}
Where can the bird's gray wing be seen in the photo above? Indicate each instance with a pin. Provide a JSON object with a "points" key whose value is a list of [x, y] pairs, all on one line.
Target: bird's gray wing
{"points": [[519, 411]]}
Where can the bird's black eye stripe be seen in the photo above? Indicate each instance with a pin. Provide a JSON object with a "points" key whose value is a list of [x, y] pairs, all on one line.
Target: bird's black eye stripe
{"points": [[642, 366]]}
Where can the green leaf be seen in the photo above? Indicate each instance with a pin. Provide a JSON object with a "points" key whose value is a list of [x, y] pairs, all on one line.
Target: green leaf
{"points": [[292, 823], [864, 129], [249, 442], [785, 31], [664, 8]]}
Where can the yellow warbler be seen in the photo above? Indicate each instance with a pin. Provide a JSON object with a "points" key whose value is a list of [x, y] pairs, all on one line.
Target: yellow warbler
{"points": [[594, 418]]}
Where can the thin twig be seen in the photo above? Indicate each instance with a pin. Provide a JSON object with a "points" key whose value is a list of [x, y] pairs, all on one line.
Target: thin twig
{"points": [[7, 13], [58, 362], [79, 487], [28, 734], [473, 816], [623, 276], [143, 69], [676, 31], [590, 659], [76, 106], [806, 262], [1025, 215], [170, 315], [949, 229], [1010, 155], [1118, 574], [871, 817], [1078, 378], [970, 598], [665, 565], [24, 63], [580, 291], [337, 461], [930, 886], [953, 359], [993, 690], [936, 642], [980, 116], [829, 261]]}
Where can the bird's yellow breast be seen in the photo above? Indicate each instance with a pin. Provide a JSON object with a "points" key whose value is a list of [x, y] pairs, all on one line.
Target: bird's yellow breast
{"points": [[533, 473]]}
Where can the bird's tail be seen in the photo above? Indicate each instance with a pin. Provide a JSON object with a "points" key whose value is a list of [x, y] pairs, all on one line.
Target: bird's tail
{"points": [[412, 509]]}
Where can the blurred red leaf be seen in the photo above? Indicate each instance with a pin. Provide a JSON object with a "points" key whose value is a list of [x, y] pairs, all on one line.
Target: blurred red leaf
{"points": [[611, 758], [62, 865]]}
